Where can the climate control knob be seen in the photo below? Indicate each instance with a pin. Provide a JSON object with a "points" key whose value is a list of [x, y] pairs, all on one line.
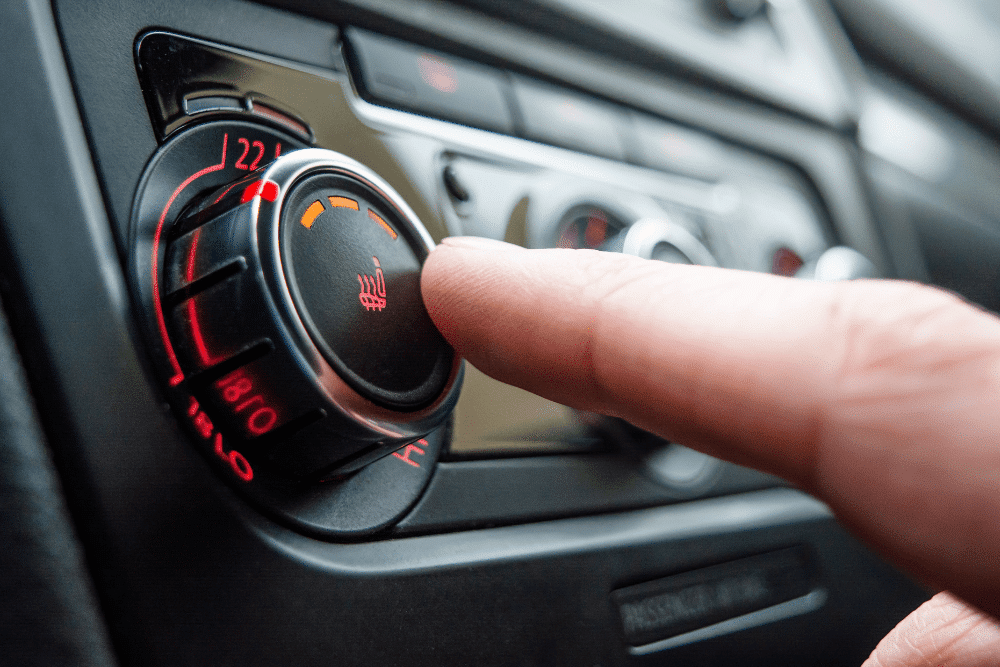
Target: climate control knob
{"points": [[293, 304]]}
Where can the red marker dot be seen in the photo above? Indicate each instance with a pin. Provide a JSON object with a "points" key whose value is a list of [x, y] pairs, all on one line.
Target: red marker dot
{"points": [[264, 189]]}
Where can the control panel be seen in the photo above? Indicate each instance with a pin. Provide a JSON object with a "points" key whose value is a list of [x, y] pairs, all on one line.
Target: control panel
{"points": [[214, 225], [282, 287], [277, 238]]}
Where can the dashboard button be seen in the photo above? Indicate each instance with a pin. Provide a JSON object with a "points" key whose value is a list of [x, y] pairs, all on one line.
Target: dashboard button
{"points": [[674, 148], [195, 105], [356, 283], [402, 75], [560, 117]]}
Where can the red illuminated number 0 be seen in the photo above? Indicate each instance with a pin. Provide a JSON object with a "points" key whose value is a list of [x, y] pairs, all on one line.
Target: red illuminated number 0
{"points": [[259, 145], [260, 420]]}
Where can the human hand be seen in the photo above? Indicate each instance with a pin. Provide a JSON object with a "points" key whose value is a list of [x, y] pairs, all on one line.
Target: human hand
{"points": [[879, 397]]}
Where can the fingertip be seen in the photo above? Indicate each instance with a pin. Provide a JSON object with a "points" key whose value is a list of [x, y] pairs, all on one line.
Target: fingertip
{"points": [[478, 243], [943, 631], [453, 261], [453, 274]]}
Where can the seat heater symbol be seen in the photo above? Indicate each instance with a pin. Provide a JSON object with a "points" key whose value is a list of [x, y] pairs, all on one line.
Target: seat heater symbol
{"points": [[372, 295]]}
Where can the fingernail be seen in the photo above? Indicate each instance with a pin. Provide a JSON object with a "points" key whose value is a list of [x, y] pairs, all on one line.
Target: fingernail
{"points": [[479, 243]]}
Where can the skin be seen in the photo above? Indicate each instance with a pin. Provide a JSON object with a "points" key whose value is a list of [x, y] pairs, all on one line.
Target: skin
{"points": [[879, 397]]}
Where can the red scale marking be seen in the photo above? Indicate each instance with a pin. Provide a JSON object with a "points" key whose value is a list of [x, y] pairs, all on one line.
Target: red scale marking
{"points": [[161, 321], [196, 334], [201, 421]]}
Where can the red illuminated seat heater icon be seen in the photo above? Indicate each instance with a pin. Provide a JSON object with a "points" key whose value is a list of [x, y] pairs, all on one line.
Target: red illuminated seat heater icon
{"points": [[372, 295]]}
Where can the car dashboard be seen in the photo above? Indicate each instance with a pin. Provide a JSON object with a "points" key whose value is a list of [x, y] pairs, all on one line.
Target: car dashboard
{"points": [[210, 460]]}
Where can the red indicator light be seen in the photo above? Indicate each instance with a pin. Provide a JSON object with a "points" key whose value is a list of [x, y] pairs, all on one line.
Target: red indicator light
{"points": [[314, 211], [250, 191], [234, 387], [437, 74], [596, 231], [206, 429], [264, 189], [269, 191], [240, 466], [786, 262], [372, 294], [383, 224], [343, 202], [409, 450]]}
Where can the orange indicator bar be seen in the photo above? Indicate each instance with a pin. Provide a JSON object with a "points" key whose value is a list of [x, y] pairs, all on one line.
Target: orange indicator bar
{"points": [[385, 225], [343, 202], [309, 217]]}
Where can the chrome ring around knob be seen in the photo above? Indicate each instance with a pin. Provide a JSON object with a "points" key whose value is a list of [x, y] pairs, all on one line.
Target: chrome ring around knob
{"points": [[647, 238]]}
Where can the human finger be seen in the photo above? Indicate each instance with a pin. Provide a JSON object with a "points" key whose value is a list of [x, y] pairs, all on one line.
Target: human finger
{"points": [[943, 632], [877, 396]]}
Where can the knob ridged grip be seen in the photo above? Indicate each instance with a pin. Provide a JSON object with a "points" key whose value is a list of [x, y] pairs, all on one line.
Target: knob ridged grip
{"points": [[294, 307]]}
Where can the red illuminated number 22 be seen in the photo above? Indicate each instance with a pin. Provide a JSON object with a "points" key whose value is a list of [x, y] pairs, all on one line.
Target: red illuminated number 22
{"points": [[259, 145]]}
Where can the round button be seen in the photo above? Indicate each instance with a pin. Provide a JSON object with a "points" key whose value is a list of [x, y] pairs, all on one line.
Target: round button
{"points": [[354, 273], [293, 303]]}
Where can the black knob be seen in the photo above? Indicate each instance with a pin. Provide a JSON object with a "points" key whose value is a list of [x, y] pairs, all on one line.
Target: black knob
{"points": [[294, 304]]}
